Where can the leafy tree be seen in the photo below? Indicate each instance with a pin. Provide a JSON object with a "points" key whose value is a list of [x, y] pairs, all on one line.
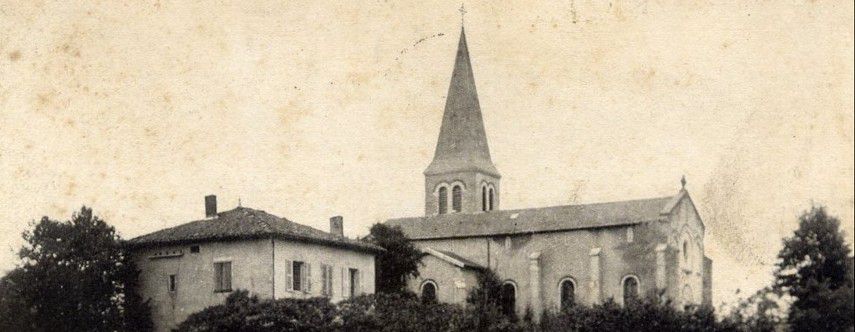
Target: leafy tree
{"points": [[814, 269], [400, 261], [76, 276]]}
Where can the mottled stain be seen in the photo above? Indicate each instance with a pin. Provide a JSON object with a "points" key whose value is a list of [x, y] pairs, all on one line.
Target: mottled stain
{"points": [[15, 55]]}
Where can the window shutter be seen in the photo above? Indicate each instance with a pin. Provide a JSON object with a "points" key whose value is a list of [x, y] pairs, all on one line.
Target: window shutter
{"points": [[308, 278], [227, 279], [330, 281], [289, 277], [323, 279], [358, 282], [343, 283]]}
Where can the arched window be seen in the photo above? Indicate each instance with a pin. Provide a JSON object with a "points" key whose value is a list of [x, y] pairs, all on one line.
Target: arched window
{"points": [[630, 289], [508, 297], [686, 251], [490, 206], [443, 200], [484, 198], [568, 293], [457, 198], [428, 292]]}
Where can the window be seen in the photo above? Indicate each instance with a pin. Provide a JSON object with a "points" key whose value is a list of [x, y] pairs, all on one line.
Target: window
{"points": [[630, 289], [354, 282], [429, 292], [630, 234], [299, 276], [172, 283], [490, 207], [568, 293], [194, 249], [223, 277], [457, 198], [326, 280], [484, 198], [508, 298], [686, 251], [443, 200]]}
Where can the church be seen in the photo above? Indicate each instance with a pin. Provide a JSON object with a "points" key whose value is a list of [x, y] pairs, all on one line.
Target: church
{"points": [[548, 257]]}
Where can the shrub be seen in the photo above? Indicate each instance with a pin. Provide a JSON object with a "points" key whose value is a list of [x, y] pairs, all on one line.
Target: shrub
{"points": [[242, 312]]}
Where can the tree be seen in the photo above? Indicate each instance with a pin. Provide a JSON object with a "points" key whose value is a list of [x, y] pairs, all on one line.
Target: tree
{"points": [[400, 261], [814, 269], [77, 276]]}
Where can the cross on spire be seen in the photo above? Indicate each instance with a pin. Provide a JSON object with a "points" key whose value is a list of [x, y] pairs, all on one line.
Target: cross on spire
{"points": [[462, 11]]}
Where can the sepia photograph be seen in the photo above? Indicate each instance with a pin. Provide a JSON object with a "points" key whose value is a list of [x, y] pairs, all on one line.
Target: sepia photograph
{"points": [[380, 165]]}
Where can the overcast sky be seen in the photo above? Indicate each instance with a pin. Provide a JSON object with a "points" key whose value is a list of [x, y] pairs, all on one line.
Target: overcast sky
{"points": [[309, 109]]}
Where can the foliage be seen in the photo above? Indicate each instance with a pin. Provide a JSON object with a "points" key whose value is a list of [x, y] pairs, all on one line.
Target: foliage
{"points": [[397, 312], [75, 276], [400, 261], [814, 268], [761, 311], [242, 312]]}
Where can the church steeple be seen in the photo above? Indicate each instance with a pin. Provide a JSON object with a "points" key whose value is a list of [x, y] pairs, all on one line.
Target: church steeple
{"points": [[462, 144], [462, 176]]}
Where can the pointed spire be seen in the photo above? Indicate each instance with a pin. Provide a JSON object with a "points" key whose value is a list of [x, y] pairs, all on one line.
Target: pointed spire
{"points": [[462, 144]]}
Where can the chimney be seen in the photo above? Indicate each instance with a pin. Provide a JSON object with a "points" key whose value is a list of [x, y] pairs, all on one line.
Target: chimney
{"points": [[210, 206], [337, 226]]}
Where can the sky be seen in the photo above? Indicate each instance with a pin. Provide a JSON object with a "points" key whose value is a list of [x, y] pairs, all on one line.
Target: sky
{"points": [[310, 109]]}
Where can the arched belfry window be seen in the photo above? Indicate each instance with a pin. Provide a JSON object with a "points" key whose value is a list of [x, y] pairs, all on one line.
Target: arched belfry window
{"points": [[457, 198], [443, 200], [630, 289], [568, 293], [484, 198], [429, 292], [490, 205]]}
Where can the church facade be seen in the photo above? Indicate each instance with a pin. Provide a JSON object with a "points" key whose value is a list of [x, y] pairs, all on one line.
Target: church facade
{"points": [[546, 257]]}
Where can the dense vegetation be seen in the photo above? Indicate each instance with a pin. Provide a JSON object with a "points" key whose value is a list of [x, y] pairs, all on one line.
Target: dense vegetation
{"points": [[74, 275]]}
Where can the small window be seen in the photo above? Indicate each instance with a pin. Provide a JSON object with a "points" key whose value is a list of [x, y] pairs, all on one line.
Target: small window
{"points": [[298, 276], [443, 200], [457, 198], [223, 277], [194, 249], [490, 207], [686, 251], [429, 292], [172, 283], [508, 243], [568, 293], [630, 234], [354, 282], [630, 289], [484, 198]]}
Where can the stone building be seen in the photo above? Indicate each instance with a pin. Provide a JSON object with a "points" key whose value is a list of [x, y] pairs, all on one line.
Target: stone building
{"points": [[547, 257], [187, 268]]}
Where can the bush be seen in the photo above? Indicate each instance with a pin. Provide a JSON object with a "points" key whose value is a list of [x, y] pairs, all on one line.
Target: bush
{"points": [[242, 312], [397, 312]]}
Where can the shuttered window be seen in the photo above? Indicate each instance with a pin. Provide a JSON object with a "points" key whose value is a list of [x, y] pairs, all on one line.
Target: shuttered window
{"points": [[223, 277], [443, 200], [457, 198]]}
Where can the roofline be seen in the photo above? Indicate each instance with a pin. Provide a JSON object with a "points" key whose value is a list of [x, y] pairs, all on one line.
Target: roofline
{"points": [[464, 169], [535, 232], [422, 218], [366, 247], [450, 260]]}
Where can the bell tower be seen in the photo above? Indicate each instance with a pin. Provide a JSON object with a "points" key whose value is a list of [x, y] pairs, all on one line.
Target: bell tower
{"points": [[462, 177]]}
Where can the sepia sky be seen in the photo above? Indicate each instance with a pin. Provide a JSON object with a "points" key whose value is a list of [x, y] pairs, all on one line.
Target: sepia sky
{"points": [[309, 109]]}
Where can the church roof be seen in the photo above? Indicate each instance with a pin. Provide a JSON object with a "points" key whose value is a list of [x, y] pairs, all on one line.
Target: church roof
{"points": [[244, 223], [537, 220], [462, 144]]}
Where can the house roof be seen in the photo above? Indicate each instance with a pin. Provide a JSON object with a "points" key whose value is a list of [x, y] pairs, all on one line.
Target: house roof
{"points": [[453, 259], [245, 223], [462, 144], [537, 220]]}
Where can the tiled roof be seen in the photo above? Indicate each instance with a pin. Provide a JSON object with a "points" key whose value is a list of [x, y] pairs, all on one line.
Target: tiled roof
{"points": [[246, 223], [536, 220]]}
